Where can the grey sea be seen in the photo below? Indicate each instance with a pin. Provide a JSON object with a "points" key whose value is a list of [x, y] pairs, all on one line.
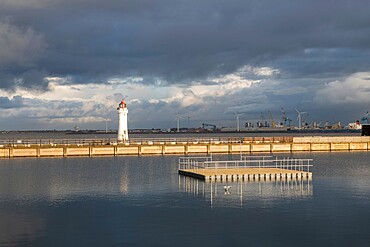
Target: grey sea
{"points": [[142, 201]]}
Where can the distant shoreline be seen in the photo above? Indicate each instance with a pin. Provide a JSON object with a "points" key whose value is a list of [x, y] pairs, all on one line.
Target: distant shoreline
{"points": [[149, 131]]}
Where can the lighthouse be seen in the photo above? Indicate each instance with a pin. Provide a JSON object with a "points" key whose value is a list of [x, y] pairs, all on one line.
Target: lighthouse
{"points": [[122, 122]]}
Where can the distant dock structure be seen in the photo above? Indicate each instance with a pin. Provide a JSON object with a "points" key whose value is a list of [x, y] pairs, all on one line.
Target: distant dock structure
{"points": [[248, 168], [180, 146], [365, 130]]}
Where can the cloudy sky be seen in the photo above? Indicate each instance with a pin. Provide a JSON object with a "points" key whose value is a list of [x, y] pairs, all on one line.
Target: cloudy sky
{"points": [[69, 62]]}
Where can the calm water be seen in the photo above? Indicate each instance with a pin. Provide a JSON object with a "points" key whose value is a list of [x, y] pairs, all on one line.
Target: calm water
{"points": [[141, 201]]}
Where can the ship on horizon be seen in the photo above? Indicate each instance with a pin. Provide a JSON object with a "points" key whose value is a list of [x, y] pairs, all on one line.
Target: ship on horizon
{"points": [[357, 125]]}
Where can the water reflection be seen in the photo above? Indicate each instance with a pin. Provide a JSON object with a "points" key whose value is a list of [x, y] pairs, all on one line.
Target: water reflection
{"points": [[115, 201], [240, 193], [65, 179], [19, 227]]}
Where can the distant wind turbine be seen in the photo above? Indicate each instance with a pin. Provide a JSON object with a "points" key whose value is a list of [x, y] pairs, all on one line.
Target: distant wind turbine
{"points": [[237, 121], [299, 118], [178, 117], [106, 124]]}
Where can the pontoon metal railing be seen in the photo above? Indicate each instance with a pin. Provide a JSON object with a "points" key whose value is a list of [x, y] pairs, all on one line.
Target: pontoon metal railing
{"points": [[191, 162], [297, 164]]}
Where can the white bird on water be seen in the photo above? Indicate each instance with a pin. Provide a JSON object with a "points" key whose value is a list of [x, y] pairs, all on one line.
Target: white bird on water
{"points": [[226, 188]]}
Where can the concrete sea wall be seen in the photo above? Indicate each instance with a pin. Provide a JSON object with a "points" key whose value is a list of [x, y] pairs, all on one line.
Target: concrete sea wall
{"points": [[266, 144]]}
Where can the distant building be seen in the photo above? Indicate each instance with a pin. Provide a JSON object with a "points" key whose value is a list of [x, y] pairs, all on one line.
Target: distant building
{"points": [[366, 129]]}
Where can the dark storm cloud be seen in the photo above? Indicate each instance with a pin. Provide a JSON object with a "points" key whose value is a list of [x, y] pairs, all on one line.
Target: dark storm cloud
{"points": [[179, 41]]}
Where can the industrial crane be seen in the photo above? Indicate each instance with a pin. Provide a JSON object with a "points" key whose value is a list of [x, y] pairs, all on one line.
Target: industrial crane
{"points": [[284, 118], [366, 118], [271, 120]]}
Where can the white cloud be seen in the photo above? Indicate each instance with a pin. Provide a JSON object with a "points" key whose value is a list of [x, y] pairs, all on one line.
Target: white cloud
{"points": [[290, 90], [186, 97], [127, 80], [232, 82], [93, 103], [220, 85], [241, 79], [73, 120], [352, 90], [260, 71]]}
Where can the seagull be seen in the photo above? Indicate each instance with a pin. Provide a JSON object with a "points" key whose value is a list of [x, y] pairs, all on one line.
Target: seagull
{"points": [[227, 187]]}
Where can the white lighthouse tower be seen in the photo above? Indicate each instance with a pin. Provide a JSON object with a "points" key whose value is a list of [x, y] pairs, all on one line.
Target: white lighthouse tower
{"points": [[122, 122]]}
